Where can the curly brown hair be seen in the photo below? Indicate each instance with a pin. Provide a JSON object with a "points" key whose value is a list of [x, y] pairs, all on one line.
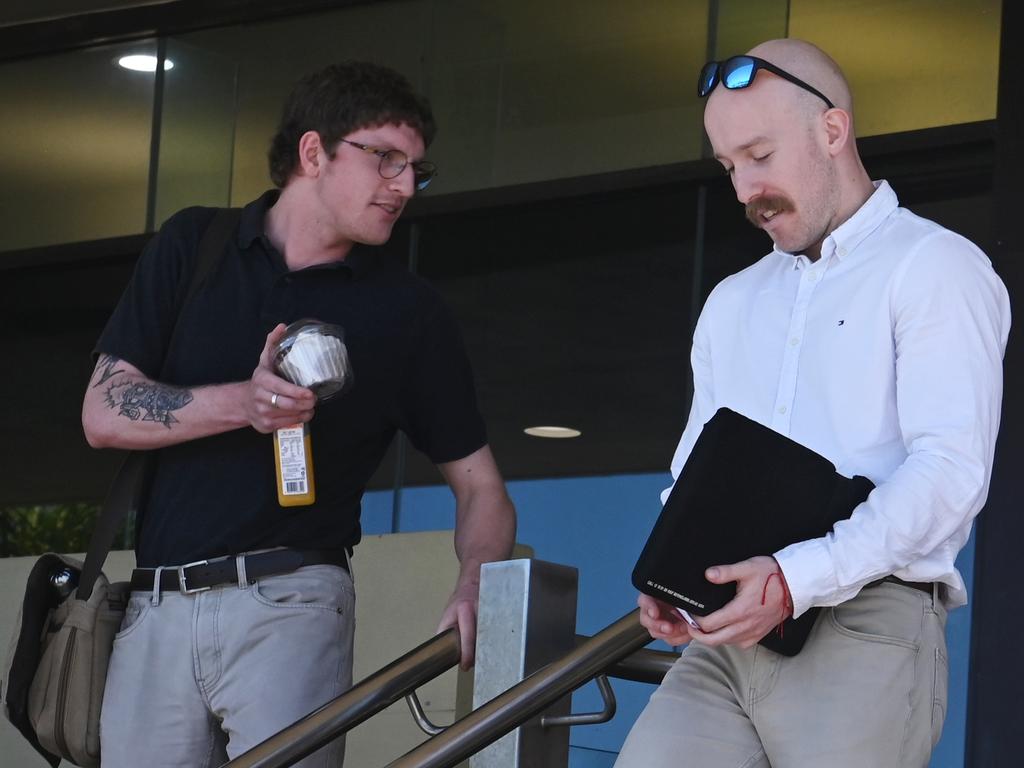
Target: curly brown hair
{"points": [[342, 98]]}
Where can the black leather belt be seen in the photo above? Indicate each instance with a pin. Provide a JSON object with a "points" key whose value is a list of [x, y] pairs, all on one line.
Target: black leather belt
{"points": [[205, 574], [921, 586]]}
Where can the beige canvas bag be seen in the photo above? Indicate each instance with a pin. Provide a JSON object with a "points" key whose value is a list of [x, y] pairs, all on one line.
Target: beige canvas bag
{"points": [[57, 662], [64, 696]]}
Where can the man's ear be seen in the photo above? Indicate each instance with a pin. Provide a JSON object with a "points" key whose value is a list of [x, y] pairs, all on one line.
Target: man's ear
{"points": [[838, 128], [310, 157]]}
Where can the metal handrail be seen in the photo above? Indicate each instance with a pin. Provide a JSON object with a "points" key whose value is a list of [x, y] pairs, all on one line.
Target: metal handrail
{"points": [[642, 666], [616, 651], [522, 701], [378, 691], [606, 713], [416, 709]]}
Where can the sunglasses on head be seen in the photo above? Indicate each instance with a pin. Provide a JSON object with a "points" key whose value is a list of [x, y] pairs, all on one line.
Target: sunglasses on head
{"points": [[739, 71]]}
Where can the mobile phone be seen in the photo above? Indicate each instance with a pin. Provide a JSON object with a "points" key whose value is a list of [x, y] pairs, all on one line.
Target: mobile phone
{"points": [[688, 618]]}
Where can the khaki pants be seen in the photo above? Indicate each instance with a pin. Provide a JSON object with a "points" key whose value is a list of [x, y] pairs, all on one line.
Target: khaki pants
{"points": [[868, 690], [197, 679]]}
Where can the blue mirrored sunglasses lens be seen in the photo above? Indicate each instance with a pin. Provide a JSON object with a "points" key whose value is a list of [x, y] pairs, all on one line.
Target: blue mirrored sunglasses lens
{"points": [[707, 79], [739, 75]]}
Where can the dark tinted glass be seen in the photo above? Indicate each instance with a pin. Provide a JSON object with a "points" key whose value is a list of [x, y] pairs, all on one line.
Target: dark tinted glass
{"points": [[738, 73]]}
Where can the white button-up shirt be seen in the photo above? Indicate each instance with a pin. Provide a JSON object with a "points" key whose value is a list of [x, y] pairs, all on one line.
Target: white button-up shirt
{"points": [[884, 356]]}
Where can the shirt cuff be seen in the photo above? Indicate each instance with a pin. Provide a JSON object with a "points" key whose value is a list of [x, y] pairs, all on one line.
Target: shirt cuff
{"points": [[809, 574]]}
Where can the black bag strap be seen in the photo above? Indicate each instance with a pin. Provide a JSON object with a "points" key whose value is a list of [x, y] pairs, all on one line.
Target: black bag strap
{"points": [[125, 493], [211, 248]]}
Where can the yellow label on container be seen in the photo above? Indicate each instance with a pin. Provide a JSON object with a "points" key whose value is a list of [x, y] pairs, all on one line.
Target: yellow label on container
{"points": [[293, 458]]}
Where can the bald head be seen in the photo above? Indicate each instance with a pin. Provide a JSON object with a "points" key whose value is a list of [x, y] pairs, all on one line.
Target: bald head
{"points": [[797, 106], [809, 63]]}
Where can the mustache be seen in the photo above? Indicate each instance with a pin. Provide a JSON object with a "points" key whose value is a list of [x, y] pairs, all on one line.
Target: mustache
{"points": [[759, 205]]}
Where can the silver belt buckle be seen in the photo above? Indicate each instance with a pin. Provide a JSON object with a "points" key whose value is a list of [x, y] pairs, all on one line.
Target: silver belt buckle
{"points": [[182, 586]]}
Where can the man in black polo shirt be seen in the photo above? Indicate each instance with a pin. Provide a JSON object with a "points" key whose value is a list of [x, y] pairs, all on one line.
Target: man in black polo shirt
{"points": [[197, 677]]}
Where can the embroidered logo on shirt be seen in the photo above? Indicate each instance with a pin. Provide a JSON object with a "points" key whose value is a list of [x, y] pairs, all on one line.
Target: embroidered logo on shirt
{"points": [[841, 322]]}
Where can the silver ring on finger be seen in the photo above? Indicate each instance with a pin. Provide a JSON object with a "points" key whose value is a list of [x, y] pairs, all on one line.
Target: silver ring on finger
{"points": [[273, 400]]}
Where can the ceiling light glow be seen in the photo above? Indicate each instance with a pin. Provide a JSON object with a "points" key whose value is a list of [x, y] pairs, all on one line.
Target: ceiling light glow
{"points": [[557, 432], [140, 62]]}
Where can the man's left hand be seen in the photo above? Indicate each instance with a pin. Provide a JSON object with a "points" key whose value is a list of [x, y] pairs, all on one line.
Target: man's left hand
{"points": [[761, 603], [485, 527], [461, 612]]}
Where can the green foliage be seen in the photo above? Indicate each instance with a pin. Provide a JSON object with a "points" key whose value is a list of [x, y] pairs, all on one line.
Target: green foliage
{"points": [[32, 530]]}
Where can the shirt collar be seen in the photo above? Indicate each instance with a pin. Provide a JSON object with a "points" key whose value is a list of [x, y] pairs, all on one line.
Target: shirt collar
{"points": [[852, 232], [252, 228]]}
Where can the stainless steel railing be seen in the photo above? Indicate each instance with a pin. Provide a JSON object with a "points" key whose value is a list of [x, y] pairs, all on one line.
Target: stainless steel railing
{"points": [[368, 697], [519, 703], [641, 666], [616, 651]]}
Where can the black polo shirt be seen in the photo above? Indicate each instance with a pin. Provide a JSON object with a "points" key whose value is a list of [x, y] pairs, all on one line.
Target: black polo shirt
{"points": [[218, 495]]}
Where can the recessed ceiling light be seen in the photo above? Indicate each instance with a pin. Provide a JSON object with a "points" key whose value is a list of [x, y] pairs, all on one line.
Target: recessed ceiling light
{"points": [[140, 62], [552, 431]]}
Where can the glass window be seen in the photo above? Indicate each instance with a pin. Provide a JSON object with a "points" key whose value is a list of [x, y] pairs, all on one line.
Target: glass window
{"points": [[531, 91], [23, 11], [197, 132], [742, 24], [522, 91], [911, 63], [74, 160]]}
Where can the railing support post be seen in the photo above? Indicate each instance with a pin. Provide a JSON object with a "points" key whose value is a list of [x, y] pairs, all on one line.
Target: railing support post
{"points": [[527, 619]]}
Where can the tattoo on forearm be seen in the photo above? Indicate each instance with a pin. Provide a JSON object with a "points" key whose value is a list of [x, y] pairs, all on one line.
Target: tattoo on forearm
{"points": [[147, 401], [108, 364]]}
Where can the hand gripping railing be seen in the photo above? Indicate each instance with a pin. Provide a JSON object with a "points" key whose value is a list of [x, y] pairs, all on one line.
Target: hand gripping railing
{"points": [[519, 703], [359, 703]]}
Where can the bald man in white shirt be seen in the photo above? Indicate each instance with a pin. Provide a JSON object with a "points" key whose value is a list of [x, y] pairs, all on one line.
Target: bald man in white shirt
{"points": [[875, 338]]}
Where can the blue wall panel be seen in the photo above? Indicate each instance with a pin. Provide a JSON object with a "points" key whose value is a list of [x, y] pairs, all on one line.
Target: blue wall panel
{"points": [[598, 525], [377, 512]]}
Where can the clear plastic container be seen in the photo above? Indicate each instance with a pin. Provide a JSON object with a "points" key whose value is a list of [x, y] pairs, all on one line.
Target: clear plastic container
{"points": [[311, 354]]}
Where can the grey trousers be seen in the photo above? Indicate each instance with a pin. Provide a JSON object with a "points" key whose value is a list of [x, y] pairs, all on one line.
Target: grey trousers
{"points": [[197, 679], [868, 690]]}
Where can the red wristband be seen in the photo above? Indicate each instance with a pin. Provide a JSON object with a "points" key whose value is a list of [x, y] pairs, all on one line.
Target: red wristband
{"points": [[787, 601]]}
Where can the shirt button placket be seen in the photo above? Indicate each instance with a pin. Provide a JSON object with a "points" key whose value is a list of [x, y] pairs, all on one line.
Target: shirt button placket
{"points": [[786, 391]]}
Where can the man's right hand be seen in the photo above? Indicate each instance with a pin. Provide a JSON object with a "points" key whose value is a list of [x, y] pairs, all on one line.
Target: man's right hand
{"points": [[662, 621], [292, 404]]}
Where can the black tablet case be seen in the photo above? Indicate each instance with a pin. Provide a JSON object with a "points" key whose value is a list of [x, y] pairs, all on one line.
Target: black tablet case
{"points": [[745, 490]]}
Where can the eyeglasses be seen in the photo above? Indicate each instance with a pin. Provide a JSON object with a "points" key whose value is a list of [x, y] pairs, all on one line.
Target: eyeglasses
{"points": [[739, 71], [394, 161]]}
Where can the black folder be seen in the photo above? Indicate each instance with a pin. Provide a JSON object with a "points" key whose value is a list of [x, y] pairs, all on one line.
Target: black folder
{"points": [[745, 490]]}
